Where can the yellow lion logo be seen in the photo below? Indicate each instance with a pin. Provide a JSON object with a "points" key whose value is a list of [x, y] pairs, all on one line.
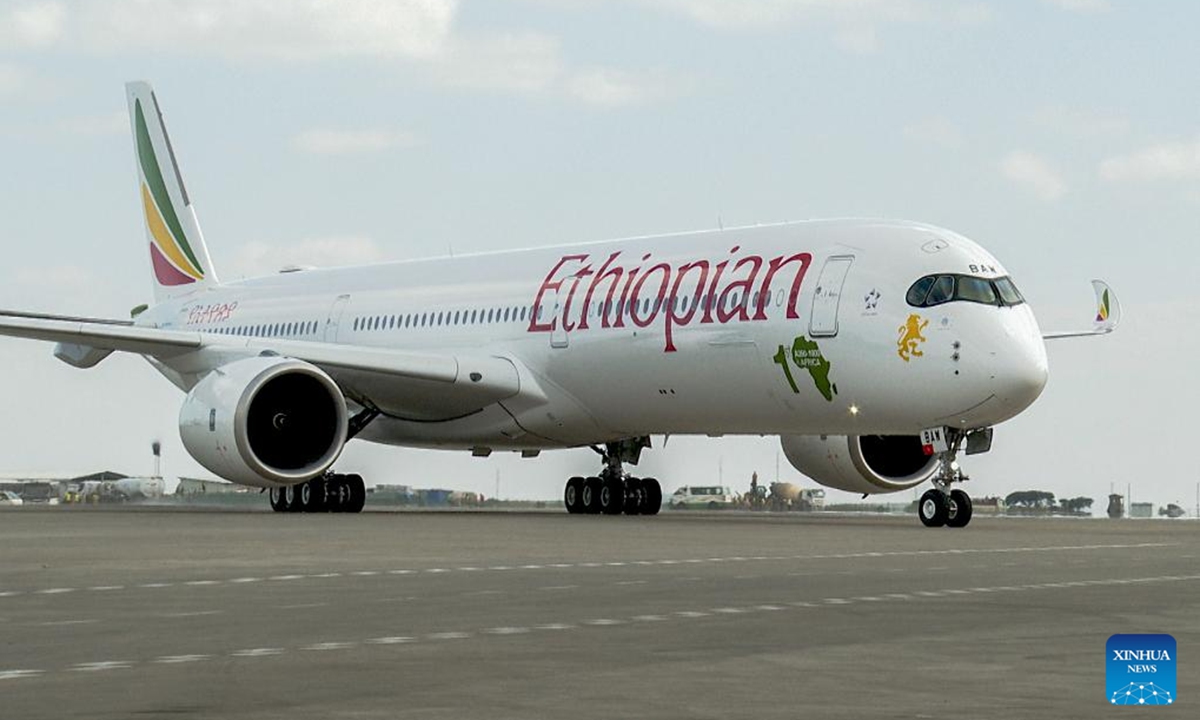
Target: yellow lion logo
{"points": [[909, 344]]}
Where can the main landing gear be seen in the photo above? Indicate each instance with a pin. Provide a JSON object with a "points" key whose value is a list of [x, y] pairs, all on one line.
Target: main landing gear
{"points": [[614, 492], [941, 506], [328, 493]]}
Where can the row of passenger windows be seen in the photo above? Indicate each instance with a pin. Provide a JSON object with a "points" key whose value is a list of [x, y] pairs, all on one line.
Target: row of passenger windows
{"points": [[285, 329], [937, 289], [645, 309], [446, 317]]}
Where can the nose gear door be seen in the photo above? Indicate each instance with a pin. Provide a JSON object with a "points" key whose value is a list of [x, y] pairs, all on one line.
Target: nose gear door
{"points": [[823, 322]]}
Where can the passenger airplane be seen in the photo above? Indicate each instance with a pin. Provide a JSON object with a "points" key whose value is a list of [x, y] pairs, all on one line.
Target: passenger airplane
{"points": [[877, 351]]}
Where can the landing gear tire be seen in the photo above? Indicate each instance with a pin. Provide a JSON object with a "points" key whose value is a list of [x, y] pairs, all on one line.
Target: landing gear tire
{"points": [[330, 493], [635, 497], [651, 496], [339, 493], [612, 495], [311, 496], [291, 499], [573, 496], [960, 510], [934, 508], [591, 496], [612, 491], [358, 494]]}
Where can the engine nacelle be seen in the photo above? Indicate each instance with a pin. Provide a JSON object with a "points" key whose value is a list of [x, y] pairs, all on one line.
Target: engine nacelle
{"points": [[861, 464], [265, 421]]}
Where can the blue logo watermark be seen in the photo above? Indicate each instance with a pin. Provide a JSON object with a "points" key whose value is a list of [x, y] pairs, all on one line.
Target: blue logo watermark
{"points": [[1140, 669]]}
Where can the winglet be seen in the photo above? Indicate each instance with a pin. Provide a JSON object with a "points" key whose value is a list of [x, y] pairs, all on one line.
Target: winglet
{"points": [[1108, 307], [1108, 314]]}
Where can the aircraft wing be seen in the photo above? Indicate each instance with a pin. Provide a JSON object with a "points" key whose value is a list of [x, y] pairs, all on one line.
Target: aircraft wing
{"points": [[414, 385], [1108, 314]]}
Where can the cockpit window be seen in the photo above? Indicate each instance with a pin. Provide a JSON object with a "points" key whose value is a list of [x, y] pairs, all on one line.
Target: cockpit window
{"points": [[917, 293], [973, 289], [942, 291], [1009, 294], [937, 289]]}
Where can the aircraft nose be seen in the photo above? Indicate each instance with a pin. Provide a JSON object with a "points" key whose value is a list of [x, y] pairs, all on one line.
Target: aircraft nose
{"points": [[1021, 372]]}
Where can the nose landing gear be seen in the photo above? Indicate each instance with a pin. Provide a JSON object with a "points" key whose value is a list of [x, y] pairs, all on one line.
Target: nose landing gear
{"points": [[614, 492], [940, 506]]}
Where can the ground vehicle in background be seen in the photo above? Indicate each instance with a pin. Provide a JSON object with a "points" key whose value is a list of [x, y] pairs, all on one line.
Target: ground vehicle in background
{"points": [[782, 496], [710, 497], [10, 498]]}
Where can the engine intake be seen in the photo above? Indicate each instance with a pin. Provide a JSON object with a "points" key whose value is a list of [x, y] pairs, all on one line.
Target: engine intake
{"points": [[861, 463], [265, 421]]}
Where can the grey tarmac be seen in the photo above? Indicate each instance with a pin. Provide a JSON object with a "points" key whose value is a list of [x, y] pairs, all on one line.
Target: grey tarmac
{"points": [[218, 614]]}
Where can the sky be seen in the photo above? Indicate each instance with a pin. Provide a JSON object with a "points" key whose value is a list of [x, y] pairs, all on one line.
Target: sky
{"points": [[1063, 135]]}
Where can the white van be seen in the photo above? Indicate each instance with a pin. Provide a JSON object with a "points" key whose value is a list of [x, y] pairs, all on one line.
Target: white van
{"points": [[711, 497]]}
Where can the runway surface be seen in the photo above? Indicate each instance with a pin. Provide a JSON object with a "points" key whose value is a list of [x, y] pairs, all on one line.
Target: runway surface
{"points": [[125, 614]]}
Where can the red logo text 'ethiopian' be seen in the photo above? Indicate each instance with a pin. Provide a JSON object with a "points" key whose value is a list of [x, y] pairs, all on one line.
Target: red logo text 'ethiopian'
{"points": [[578, 295]]}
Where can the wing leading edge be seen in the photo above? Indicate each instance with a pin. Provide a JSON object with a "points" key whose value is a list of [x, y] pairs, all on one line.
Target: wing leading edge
{"points": [[458, 384]]}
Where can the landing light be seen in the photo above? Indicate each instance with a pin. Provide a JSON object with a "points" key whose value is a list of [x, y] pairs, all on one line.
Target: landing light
{"points": [[853, 409]]}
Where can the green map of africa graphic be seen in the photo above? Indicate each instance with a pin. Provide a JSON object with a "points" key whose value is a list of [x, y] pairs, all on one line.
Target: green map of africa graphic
{"points": [[806, 354]]}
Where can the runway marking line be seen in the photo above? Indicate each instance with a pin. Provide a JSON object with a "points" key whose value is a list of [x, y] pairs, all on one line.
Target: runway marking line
{"points": [[507, 631], [105, 665], [392, 640], [594, 564], [20, 674], [322, 646], [102, 666], [257, 652], [179, 659]]}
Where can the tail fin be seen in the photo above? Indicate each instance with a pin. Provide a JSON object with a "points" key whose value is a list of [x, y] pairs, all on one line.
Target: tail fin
{"points": [[178, 255]]}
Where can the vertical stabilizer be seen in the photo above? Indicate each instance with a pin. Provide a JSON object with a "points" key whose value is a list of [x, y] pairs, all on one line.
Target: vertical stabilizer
{"points": [[178, 257]]}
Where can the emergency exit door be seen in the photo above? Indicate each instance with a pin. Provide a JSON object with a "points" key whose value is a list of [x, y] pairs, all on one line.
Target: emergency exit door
{"points": [[824, 319]]}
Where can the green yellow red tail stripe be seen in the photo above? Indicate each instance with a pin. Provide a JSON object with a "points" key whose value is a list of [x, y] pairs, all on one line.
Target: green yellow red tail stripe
{"points": [[172, 257]]}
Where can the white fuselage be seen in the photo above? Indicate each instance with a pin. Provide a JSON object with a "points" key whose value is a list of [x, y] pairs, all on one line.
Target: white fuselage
{"points": [[791, 329]]}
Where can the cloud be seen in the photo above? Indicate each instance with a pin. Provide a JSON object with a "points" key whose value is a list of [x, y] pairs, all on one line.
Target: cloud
{"points": [[1178, 161], [768, 14], [610, 88], [264, 258], [32, 25], [1035, 174], [1083, 6], [351, 142], [522, 62], [289, 31]]}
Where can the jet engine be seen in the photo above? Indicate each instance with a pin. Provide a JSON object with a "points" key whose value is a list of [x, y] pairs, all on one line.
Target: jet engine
{"points": [[265, 421], [861, 463]]}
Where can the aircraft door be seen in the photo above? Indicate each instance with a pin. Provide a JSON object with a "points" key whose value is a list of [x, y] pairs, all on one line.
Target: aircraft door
{"points": [[558, 336], [823, 322], [335, 317]]}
